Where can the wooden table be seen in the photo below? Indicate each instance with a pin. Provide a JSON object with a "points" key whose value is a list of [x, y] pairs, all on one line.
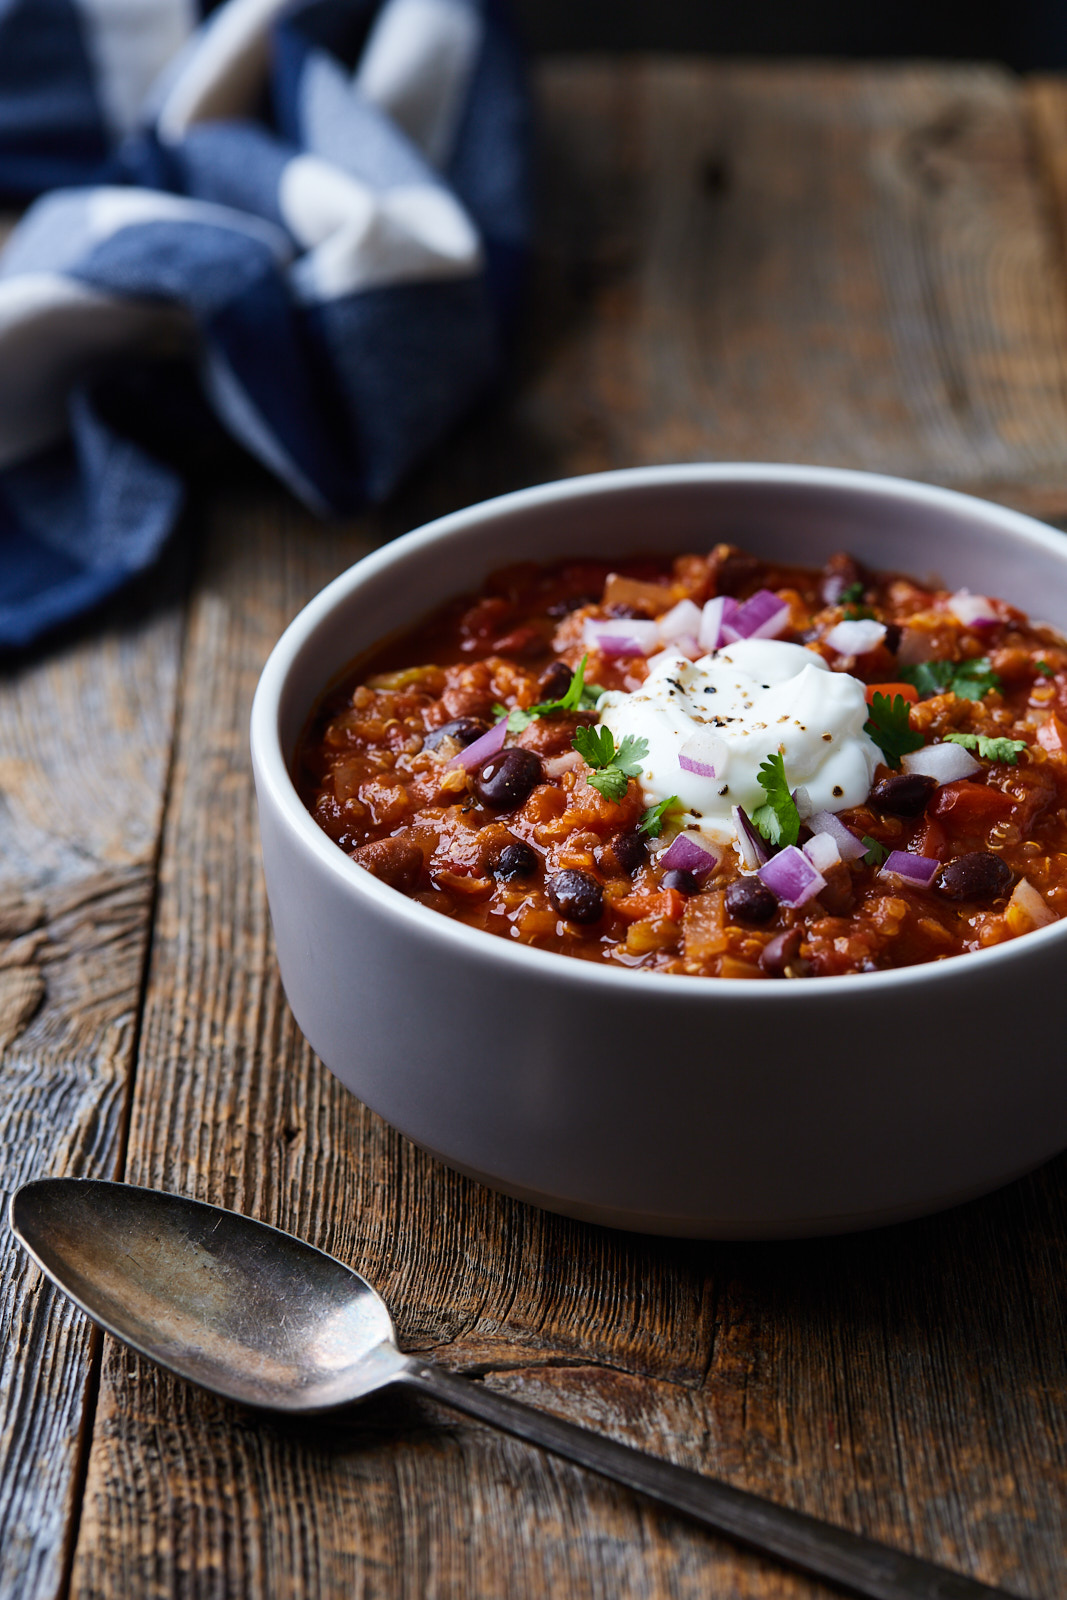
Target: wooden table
{"points": [[844, 265]]}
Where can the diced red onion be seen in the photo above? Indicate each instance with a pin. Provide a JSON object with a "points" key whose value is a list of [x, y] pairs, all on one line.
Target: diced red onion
{"points": [[945, 762], [685, 855], [486, 745], [762, 617], [849, 847], [973, 610], [821, 850], [750, 841], [855, 638], [702, 753], [802, 801], [1031, 905], [715, 615], [628, 636], [681, 620], [791, 876], [689, 645], [919, 870]]}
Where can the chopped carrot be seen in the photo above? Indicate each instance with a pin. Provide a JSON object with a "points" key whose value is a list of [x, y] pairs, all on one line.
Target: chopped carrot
{"points": [[907, 690], [667, 903]]}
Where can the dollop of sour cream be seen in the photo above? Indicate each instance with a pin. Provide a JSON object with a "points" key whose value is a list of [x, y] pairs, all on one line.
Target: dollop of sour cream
{"points": [[726, 713]]}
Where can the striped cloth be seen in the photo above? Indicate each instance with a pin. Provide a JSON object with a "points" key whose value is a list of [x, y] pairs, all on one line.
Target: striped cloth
{"points": [[300, 223]]}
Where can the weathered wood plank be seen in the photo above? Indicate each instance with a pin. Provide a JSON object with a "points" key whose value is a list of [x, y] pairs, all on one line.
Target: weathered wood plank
{"points": [[810, 263], [85, 733], [829, 264]]}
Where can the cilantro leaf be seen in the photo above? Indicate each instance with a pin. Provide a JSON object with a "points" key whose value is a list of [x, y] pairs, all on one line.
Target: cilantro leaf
{"points": [[611, 767], [595, 746], [975, 678], [630, 754], [888, 726], [876, 853], [850, 598], [929, 677], [579, 696], [970, 680], [778, 819], [653, 819], [1044, 669], [1007, 750], [610, 782]]}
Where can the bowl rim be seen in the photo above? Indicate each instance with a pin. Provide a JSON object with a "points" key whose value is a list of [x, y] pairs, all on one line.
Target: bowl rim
{"points": [[272, 767]]}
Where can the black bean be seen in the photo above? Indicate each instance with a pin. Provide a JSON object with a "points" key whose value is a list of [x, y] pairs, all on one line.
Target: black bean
{"points": [[631, 851], [893, 631], [749, 900], [978, 875], [781, 953], [506, 779], [904, 795], [554, 683], [576, 895], [678, 878], [516, 860], [463, 729]]}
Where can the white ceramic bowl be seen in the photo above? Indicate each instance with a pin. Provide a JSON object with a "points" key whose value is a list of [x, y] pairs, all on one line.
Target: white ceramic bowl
{"points": [[701, 1106]]}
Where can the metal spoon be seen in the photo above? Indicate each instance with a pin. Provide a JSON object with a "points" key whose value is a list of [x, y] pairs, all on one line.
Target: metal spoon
{"points": [[265, 1319]]}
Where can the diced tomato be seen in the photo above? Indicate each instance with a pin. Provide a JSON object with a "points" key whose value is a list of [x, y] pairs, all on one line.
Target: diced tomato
{"points": [[907, 691], [668, 903], [968, 805]]}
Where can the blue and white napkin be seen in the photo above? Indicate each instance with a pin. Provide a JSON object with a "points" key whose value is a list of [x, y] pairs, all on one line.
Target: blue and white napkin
{"points": [[303, 223]]}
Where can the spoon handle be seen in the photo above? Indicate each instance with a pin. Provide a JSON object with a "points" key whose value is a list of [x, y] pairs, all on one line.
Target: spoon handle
{"points": [[858, 1565]]}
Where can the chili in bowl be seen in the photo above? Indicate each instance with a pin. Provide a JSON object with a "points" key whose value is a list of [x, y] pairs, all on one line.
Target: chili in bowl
{"points": [[665, 725], [574, 773]]}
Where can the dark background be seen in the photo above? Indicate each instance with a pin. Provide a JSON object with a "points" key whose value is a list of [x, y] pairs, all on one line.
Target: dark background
{"points": [[1025, 35]]}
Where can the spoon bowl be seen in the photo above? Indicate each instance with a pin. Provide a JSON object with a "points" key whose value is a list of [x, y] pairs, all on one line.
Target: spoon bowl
{"points": [[251, 1313], [233, 1305]]}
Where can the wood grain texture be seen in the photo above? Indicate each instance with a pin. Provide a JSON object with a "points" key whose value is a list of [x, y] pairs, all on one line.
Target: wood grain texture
{"points": [[827, 264], [85, 736], [847, 266]]}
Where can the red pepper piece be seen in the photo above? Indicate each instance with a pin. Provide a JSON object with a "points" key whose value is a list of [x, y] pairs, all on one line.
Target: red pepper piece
{"points": [[934, 843], [968, 805]]}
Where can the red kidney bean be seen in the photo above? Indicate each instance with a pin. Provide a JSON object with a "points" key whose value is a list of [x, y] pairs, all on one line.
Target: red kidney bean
{"points": [[781, 953], [554, 683], [904, 795], [978, 875], [507, 779]]}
